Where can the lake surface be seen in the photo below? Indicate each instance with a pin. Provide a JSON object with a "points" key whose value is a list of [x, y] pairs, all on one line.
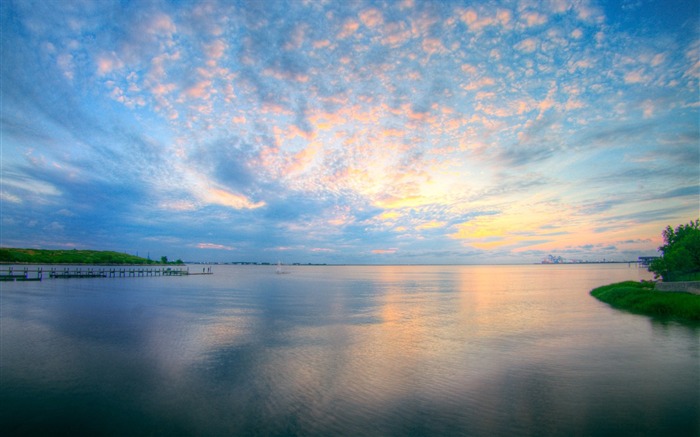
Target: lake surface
{"points": [[351, 350]]}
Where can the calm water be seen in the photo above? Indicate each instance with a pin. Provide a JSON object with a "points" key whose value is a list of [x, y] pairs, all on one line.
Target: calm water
{"points": [[426, 350]]}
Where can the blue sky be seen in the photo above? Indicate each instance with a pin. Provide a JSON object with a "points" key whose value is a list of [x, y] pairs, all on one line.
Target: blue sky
{"points": [[350, 131]]}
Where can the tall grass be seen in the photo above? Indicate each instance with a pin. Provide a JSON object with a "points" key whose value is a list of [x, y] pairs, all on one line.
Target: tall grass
{"points": [[642, 298]]}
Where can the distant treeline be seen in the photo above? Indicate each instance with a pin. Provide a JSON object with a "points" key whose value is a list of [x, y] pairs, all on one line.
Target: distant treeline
{"points": [[43, 256]]}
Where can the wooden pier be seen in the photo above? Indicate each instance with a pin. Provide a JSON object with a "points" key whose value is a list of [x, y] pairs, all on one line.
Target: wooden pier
{"points": [[38, 273], [24, 274]]}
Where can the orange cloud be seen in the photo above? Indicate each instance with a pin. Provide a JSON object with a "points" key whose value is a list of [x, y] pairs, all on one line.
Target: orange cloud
{"points": [[390, 202], [389, 215], [479, 228], [384, 251], [433, 224], [303, 159], [235, 201]]}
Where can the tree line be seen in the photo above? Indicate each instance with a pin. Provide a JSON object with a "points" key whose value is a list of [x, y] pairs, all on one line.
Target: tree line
{"points": [[680, 254], [74, 256]]}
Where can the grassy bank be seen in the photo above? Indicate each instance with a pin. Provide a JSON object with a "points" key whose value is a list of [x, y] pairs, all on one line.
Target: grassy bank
{"points": [[43, 256], [642, 298]]}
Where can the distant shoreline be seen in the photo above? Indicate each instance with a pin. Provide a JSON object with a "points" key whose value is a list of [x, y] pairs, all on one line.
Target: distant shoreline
{"points": [[24, 256], [10, 255], [10, 263], [269, 264]]}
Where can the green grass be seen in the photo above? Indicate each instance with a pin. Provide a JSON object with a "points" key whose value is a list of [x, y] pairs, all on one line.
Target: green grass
{"points": [[43, 256], [642, 298]]}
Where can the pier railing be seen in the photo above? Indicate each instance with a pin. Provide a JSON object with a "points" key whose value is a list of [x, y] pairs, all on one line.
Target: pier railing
{"points": [[13, 273]]}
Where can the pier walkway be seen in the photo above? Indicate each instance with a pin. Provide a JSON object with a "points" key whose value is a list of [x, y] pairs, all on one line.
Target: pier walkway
{"points": [[14, 273]]}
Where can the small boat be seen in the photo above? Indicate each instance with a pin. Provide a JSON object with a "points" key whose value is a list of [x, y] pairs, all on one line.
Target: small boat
{"points": [[279, 270]]}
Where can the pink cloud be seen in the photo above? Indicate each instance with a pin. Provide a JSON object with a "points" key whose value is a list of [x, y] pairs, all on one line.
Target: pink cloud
{"points": [[635, 77], [395, 34], [349, 27], [107, 63], [478, 84], [503, 16], [534, 19], [215, 51], [528, 45], [433, 45], [161, 24], [371, 17], [321, 44], [297, 38], [477, 23], [200, 90]]}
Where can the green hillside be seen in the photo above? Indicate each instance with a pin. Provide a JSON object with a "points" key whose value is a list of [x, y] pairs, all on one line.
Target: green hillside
{"points": [[43, 256], [642, 298]]}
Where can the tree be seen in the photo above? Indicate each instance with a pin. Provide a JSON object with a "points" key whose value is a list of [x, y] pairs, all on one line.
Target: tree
{"points": [[163, 259], [680, 254]]}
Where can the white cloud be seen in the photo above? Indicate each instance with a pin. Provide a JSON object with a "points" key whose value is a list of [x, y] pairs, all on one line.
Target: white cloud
{"points": [[637, 76], [213, 246]]}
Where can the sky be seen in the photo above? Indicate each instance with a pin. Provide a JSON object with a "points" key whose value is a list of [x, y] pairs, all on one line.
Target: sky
{"points": [[400, 131]]}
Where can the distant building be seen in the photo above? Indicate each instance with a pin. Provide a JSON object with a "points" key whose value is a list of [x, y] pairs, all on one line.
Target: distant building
{"points": [[551, 259]]}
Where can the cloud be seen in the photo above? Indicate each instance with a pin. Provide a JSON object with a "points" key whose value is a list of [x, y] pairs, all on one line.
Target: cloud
{"points": [[634, 77], [527, 45], [384, 251], [533, 18], [213, 246], [349, 27], [433, 224], [433, 46], [231, 200], [107, 63], [322, 250], [371, 17], [54, 227]]}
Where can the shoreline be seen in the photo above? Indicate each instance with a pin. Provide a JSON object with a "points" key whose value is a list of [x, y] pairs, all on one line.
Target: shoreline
{"points": [[644, 298]]}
